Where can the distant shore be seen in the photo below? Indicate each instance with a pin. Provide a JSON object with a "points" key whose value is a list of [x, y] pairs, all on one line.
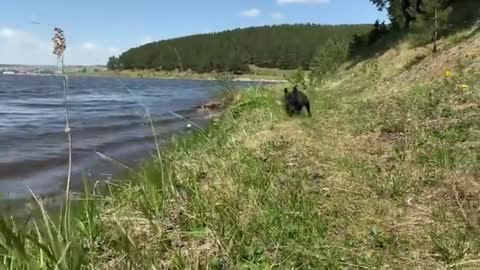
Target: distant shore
{"points": [[152, 74]]}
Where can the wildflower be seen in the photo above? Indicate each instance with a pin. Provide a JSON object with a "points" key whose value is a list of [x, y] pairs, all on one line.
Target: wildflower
{"points": [[448, 73], [59, 45], [464, 87]]}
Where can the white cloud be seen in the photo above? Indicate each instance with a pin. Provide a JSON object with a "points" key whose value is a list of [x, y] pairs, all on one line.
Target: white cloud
{"points": [[146, 40], [89, 45], [307, 2], [89, 53], [6, 32], [22, 47], [19, 47], [254, 12], [113, 50], [277, 16]]}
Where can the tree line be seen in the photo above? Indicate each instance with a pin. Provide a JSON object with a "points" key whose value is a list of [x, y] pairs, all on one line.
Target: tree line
{"points": [[307, 46], [405, 13], [279, 46]]}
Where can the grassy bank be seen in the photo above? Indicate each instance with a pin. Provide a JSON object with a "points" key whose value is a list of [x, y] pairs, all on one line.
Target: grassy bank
{"points": [[385, 175]]}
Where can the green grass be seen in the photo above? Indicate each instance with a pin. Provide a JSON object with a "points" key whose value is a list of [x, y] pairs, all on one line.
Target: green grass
{"points": [[371, 181], [273, 72]]}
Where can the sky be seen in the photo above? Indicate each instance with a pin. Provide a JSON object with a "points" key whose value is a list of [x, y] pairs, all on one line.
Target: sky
{"points": [[97, 29]]}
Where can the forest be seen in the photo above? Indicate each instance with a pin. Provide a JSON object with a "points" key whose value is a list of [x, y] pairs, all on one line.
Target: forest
{"points": [[280, 46], [421, 13], [422, 22], [307, 46]]}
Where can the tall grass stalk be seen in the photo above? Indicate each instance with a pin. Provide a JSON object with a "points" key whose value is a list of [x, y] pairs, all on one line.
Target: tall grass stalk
{"points": [[147, 114], [69, 137], [59, 46], [114, 161]]}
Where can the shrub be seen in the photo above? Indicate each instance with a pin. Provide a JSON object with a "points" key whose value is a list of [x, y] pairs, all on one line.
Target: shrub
{"points": [[328, 58]]}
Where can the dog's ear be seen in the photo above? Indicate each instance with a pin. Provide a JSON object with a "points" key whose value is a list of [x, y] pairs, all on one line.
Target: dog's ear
{"points": [[285, 91]]}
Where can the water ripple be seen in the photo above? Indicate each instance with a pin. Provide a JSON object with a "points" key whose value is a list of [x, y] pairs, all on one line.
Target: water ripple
{"points": [[104, 118]]}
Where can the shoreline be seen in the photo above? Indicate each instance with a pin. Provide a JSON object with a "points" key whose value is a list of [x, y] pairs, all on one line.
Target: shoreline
{"points": [[178, 76], [239, 79]]}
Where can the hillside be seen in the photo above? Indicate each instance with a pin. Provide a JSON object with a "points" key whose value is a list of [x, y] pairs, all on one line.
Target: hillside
{"points": [[283, 46], [384, 176]]}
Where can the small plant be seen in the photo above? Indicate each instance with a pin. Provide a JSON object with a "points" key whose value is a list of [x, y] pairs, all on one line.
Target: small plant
{"points": [[328, 59], [227, 84], [414, 61], [299, 77], [452, 245], [59, 45]]}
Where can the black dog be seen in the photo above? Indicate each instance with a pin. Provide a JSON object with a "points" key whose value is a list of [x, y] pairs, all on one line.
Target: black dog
{"points": [[295, 101]]}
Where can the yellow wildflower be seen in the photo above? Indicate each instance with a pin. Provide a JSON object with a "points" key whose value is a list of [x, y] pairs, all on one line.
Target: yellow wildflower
{"points": [[448, 73], [464, 87]]}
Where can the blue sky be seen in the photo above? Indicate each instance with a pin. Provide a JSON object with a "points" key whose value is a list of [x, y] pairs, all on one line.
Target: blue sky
{"points": [[97, 29]]}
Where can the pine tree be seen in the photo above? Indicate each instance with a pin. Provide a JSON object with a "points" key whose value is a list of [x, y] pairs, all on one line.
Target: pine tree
{"points": [[434, 20], [113, 63], [285, 46]]}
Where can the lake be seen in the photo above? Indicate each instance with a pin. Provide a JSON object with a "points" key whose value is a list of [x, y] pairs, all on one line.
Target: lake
{"points": [[104, 118]]}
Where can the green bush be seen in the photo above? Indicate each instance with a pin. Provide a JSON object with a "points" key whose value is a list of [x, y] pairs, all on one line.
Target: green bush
{"points": [[299, 77], [328, 58]]}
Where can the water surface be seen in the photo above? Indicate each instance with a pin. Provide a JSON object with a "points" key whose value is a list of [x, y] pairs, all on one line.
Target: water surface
{"points": [[104, 118]]}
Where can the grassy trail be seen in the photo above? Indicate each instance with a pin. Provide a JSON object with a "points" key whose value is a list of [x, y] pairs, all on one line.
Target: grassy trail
{"points": [[380, 177]]}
